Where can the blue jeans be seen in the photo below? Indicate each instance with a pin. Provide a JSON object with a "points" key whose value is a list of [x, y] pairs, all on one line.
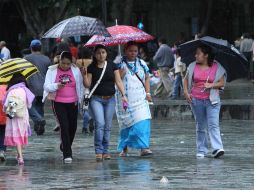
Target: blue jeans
{"points": [[36, 112], [178, 85], [86, 119], [103, 111], [207, 120]]}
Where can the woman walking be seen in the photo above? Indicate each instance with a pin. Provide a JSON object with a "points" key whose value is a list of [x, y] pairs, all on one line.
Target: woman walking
{"points": [[17, 100], [134, 121], [102, 102], [64, 83], [204, 78]]}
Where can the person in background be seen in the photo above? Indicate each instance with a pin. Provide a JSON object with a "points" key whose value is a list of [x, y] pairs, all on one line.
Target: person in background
{"points": [[84, 59], [20, 98], [102, 102], [134, 119], [180, 68], [165, 60], [35, 84], [65, 81], [204, 78], [5, 52], [246, 50]]}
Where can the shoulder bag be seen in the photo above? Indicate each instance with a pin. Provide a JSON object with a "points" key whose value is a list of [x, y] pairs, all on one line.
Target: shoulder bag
{"points": [[88, 96]]}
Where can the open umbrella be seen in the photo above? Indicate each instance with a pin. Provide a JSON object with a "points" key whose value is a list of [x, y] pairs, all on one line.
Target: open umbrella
{"points": [[225, 53], [77, 26], [11, 66], [120, 34]]}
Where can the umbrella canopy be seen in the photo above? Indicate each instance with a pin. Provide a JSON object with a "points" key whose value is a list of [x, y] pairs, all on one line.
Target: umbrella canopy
{"points": [[120, 34], [11, 66], [77, 26], [225, 53]]}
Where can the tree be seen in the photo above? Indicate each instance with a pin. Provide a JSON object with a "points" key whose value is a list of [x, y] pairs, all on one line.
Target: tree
{"points": [[205, 25], [122, 10], [40, 15]]}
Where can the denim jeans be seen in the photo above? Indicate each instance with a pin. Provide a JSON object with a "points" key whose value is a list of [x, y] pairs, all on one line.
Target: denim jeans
{"points": [[207, 123], [178, 86], [36, 112], [2, 135], [103, 111]]}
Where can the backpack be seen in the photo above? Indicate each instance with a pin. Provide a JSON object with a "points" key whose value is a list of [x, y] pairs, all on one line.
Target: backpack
{"points": [[16, 107]]}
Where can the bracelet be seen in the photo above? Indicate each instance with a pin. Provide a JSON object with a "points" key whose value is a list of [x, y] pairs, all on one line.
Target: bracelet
{"points": [[123, 94]]}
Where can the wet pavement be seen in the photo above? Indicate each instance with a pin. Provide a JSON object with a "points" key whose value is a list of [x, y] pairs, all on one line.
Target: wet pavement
{"points": [[173, 145]]}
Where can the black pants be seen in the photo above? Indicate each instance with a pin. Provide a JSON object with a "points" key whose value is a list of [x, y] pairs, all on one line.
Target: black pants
{"points": [[67, 115], [2, 135]]}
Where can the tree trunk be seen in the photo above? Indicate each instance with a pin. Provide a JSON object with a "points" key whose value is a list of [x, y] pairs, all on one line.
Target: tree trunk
{"points": [[207, 18], [37, 21], [127, 12]]}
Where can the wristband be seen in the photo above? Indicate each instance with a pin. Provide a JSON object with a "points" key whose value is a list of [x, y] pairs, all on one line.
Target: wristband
{"points": [[148, 93]]}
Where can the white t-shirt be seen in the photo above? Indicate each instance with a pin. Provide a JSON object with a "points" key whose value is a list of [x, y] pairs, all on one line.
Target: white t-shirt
{"points": [[179, 66]]}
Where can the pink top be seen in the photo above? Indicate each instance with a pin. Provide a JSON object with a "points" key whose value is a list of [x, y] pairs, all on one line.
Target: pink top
{"points": [[68, 94], [200, 77]]}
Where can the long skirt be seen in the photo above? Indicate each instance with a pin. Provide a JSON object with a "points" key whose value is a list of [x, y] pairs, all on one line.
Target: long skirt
{"points": [[136, 136]]}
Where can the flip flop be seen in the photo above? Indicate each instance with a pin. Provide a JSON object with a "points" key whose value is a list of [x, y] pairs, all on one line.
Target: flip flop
{"points": [[147, 152]]}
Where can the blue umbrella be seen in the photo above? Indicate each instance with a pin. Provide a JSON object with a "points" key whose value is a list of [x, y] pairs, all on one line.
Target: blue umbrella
{"points": [[226, 54]]}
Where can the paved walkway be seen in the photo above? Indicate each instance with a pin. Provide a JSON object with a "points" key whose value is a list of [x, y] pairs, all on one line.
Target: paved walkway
{"points": [[174, 157], [173, 144]]}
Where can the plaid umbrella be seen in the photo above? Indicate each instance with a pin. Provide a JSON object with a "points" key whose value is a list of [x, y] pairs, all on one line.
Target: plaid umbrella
{"points": [[120, 34], [77, 26], [11, 66]]}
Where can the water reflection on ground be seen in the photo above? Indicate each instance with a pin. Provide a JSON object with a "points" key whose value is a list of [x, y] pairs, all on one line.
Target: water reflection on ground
{"points": [[173, 145]]}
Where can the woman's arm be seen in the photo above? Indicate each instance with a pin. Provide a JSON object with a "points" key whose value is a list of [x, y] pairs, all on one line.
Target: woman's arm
{"points": [[119, 84], [50, 86], [185, 89], [87, 78], [147, 88], [122, 72], [216, 85]]}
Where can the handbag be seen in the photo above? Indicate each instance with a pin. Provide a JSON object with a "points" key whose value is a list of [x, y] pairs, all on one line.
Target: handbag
{"points": [[87, 96]]}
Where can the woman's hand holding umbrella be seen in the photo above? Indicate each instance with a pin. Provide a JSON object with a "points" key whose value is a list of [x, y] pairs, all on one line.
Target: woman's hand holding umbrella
{"points": [[208, 85], [149, 97]]}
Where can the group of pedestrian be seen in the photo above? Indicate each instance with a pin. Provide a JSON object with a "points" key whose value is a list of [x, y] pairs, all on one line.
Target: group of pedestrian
{"points": [[123, 87]]}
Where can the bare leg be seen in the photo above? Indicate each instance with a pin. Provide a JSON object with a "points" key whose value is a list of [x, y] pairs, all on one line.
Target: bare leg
{"points": [[20, 155]]}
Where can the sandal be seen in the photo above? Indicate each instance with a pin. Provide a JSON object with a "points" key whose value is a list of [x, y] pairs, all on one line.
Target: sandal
{"points": [[146, 152], [124, 152], [20, 161], [106, 156], [98, 157]]}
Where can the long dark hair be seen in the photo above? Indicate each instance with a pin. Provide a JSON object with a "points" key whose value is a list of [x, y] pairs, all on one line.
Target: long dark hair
{"points": [[16, 78], [207, 50], [99, 46]]}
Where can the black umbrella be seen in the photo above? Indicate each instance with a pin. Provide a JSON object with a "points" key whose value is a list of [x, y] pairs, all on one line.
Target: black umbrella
{"points": [[225, 53], [77, 26]]}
